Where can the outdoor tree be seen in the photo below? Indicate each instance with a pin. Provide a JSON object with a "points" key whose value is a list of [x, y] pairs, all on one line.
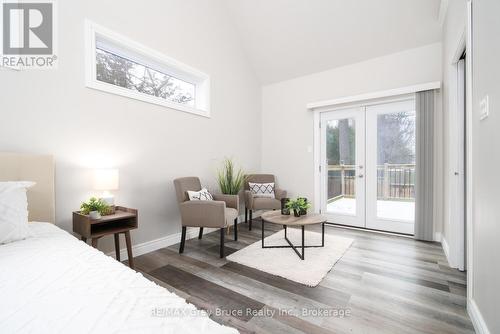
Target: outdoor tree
{"points": [[340, 138], [396, 138], [125, 73]]}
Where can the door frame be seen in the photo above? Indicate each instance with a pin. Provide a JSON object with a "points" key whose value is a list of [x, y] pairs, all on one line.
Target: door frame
{"points": [[358, 101], [454, 243], [468, 158], [362, 99], [454, 246]]}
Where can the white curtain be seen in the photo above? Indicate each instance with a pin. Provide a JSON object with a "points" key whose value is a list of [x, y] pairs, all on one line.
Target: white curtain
{"points": [[424, 179]]}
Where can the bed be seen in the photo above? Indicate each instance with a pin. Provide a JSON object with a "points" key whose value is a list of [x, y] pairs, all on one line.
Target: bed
{"points": [[53, 283]]}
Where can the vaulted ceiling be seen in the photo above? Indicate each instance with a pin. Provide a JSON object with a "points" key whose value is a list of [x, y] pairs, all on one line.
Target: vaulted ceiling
{"points": [[289, 38]]}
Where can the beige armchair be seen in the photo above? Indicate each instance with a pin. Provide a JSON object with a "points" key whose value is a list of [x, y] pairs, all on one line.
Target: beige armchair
{"points": [[261, 203], [218, 213]]}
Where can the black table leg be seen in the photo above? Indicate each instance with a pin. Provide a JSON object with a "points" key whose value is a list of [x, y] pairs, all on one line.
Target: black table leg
{"points": [[302, 257], [262, 233], [303, 246], [322, 234]]}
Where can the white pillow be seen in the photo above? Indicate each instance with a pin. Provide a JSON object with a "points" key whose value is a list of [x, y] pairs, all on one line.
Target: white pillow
{"points": [[14, 211], [202, 195], [262, 189]]}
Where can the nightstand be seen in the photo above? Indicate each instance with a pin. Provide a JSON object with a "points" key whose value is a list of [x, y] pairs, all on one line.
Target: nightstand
{"points": [[122, 221]]}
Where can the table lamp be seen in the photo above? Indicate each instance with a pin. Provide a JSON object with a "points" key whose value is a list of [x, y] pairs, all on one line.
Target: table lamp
{"points": [[106, 180]]}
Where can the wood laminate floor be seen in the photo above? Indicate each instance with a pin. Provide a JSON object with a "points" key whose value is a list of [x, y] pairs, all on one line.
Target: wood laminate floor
{"points": [[383, 284]]}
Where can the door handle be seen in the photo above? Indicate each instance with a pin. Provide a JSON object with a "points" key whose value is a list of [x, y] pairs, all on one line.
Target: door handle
{"points": [[360, 176]]}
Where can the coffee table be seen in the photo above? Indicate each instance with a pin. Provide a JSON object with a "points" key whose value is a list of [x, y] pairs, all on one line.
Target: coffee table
{"points": [[275, 217]]}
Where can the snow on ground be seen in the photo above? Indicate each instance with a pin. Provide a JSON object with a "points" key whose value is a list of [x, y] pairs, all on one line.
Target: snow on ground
{"points": [[396, 210]]}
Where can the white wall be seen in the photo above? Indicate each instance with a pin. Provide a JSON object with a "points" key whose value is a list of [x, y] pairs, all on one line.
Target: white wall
{"points": [[287, 127], [485, 271], [52, 112], [486, 159]]}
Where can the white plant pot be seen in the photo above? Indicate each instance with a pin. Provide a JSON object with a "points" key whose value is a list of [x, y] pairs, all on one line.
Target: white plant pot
{"points": [[94, 215]]}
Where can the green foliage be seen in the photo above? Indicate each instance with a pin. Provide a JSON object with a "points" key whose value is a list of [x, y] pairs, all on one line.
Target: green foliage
{"points": [[340, 139], [95, 204], [297, 204], [230, 181]]}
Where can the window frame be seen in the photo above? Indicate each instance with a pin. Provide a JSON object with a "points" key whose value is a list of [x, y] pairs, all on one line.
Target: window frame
{"points": [[98, 37]]}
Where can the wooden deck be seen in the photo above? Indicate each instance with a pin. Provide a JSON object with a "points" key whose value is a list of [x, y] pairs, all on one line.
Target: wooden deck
{"points": [[389, 284]]}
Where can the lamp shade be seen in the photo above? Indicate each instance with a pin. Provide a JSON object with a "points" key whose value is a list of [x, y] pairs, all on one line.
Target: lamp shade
{"points": [[106, 179]]}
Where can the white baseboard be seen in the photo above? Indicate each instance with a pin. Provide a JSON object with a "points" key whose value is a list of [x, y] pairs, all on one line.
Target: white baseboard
{"points": [[450, 257], [169, 240], [437, 236], [446, 249], [476, 318]]}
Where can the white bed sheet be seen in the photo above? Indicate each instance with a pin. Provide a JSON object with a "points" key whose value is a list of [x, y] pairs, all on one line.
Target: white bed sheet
{"points": [[54, 283]]}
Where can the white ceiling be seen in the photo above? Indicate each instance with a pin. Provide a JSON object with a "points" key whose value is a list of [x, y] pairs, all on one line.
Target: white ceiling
{"points": [[289, 38]]}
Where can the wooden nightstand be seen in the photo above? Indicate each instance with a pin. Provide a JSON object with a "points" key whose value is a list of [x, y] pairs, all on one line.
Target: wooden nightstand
{"points": [[122, 221]]}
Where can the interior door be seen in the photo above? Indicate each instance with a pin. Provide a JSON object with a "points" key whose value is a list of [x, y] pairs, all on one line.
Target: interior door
{"points": [[457, 205], [390, 166], [342, 166]]}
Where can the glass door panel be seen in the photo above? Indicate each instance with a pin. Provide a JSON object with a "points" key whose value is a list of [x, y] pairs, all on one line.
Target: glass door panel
{"points": [[341, 160], [391, 166], [342, 166]]}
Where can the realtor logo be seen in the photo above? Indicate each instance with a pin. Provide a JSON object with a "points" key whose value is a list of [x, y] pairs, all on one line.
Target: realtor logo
{"points": [[28, 34]]}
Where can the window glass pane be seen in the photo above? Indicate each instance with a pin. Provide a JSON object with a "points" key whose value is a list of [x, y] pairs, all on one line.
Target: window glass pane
{"points": [[396, 166], [341, 157], [119, 71]]}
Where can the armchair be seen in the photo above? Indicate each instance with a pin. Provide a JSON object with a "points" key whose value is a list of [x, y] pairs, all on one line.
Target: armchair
{"points": [[212, 214], [261, 203]]}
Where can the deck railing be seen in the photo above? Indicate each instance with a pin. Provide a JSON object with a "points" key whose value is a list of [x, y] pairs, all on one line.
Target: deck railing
{"points": [[394, 181]]}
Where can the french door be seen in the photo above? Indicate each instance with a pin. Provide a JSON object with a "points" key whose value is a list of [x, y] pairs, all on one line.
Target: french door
{"points": [[342, 166], [368, 166]]}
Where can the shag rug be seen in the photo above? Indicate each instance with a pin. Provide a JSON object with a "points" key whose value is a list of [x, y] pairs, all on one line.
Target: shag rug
{"points": [[284, 262]]}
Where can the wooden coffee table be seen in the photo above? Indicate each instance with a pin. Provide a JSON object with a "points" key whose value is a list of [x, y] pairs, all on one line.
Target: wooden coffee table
{"points": [[275, 217]]}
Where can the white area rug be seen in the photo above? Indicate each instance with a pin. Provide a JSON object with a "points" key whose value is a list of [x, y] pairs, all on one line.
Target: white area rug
{"points": [[285, 263]]}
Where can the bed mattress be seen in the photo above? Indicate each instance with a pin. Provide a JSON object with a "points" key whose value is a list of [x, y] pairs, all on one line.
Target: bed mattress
{"points": [[54, 283]]}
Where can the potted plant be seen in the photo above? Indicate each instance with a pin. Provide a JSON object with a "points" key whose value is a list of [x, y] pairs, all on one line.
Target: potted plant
{"points": [[95, 208], [284, 209], [298, 205], [303, 210], [230, 181]]}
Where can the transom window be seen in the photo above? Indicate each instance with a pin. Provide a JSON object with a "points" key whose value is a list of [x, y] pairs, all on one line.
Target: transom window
{"points": [[120, 66], [120, 71]]}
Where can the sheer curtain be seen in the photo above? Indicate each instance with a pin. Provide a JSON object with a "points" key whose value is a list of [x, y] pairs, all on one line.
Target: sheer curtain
{"points": [[424, 179]]}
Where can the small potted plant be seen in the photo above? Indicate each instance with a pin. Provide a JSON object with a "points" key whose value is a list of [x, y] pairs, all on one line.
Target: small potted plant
{"points": [[95, 208], [284, 209], [298, 206], [303, 210]]}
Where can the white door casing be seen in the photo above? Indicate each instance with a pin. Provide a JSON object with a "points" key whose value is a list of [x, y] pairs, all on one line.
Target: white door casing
{"points": [[365, 118]]}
